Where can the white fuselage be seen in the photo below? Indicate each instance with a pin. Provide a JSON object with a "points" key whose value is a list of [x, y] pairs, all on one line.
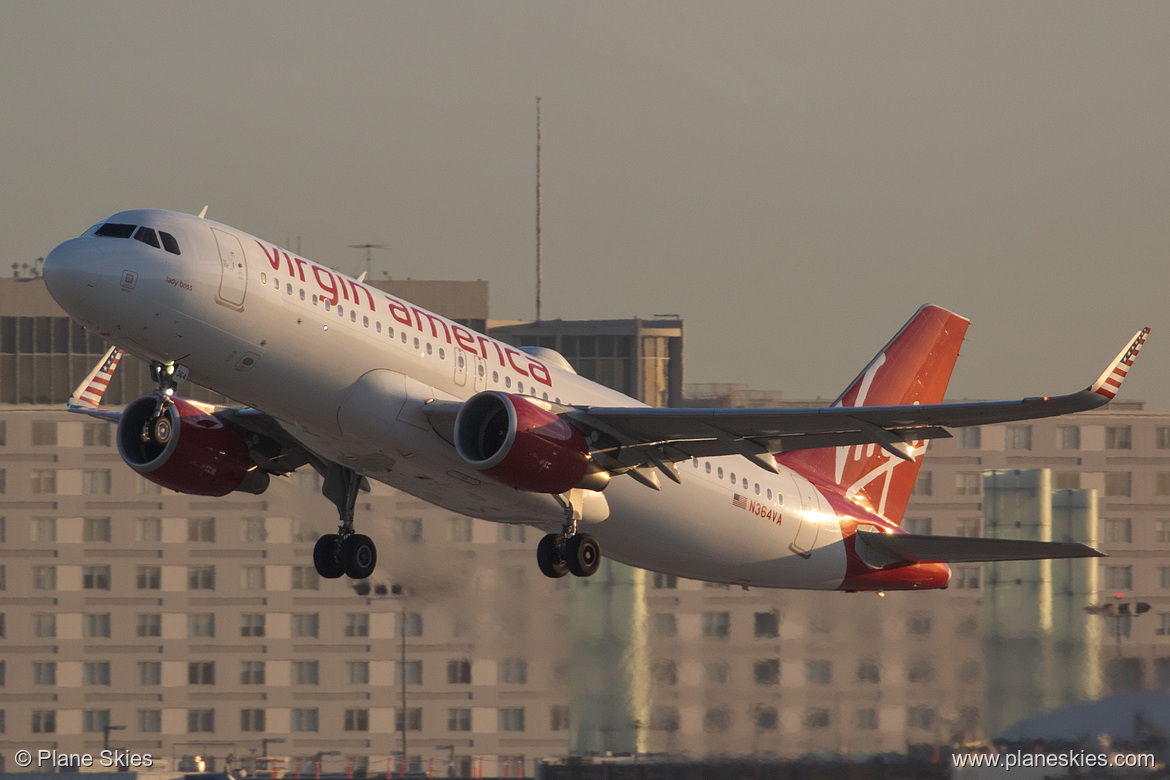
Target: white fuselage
{"points": [[346, 369]]}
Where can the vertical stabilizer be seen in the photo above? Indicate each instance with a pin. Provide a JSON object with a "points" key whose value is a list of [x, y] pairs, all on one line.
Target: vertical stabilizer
{"points": [[914, 368]]}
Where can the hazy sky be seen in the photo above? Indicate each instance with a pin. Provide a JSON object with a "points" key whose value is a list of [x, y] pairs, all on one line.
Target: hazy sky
{"points": [[794, 179]]}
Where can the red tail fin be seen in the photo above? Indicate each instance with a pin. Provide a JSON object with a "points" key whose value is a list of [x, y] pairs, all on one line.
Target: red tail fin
{"points": [[914, 368]]}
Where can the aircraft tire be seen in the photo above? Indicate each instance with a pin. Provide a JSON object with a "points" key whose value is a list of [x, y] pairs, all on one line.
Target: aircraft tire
{"points": [[549, 558], [325, 557], [582, 555], [359, 556]]}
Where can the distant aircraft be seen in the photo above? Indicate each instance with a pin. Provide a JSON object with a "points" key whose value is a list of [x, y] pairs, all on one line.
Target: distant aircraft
{"points": [[359, 385]]}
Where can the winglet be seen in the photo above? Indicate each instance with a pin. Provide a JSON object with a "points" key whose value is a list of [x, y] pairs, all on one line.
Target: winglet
{"points": [[1109, 382], [88, 394]]}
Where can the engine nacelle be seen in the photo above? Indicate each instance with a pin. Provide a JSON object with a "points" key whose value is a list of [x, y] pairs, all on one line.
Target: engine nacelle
{"points": [[190, 451], [521, 444]]}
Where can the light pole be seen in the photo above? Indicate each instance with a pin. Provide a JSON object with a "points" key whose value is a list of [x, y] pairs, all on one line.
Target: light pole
{"points": [[395, 591], [106, 738], [450, 758]]}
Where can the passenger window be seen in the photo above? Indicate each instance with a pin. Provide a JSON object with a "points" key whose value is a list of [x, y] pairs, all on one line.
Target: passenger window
{"points": [[520, 388], [430, 350], [544, 396], [757, 488], [288, 289], [733, 477], [769, 494], [708, 467], [263, 278], [745, 484], [169, 243], [403, 337], [442, 354], [507, 381], [416, 344], [326, 300], [147, 236], [115, 230], [352, 315], [390, 331], [720, 472], [302, 295], [365, 322], [495, 377], [479, 370], [340, 311], [314, 300]]}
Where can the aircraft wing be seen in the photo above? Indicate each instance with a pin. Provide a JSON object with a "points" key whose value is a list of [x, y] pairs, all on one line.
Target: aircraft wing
{"points": [[634, 437], [924, 548]]}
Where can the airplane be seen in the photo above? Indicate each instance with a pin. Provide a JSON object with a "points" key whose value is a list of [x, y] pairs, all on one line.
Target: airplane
{"points": [[360, 385]]}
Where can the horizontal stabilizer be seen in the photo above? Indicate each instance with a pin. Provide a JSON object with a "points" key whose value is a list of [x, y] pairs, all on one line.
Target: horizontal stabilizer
{"points": [[885, 549]]}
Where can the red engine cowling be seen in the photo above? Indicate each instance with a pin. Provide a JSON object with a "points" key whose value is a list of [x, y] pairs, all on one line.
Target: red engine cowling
{"points": [[520, 444], [196, 454]]}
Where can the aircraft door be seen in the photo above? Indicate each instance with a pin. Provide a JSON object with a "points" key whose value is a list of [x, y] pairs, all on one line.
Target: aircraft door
{"points": [[460, 368], [233, 271], [809, 520], [479, 373]]}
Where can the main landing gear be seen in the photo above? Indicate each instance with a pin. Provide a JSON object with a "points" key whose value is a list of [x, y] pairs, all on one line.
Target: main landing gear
{"points": [[344, 552], [568, 552]]}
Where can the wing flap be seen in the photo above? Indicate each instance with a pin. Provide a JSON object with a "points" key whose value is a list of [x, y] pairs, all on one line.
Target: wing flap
{"points": [[925, 548]]}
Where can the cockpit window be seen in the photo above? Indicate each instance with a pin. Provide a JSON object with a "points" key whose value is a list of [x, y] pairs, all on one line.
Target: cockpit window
{"points": [[147, 236], [115, 230], [169, 243]]}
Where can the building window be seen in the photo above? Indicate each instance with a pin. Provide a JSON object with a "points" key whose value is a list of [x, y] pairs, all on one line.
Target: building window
{"points": [[96, 626], [664, 672], [201, 673], [304, 719], [1019, 437], [150, 673], [252, 720], [869, 672], [357, 672], [970, 438], [413, 719], [305, 578], [95, 577], [42, 481], [1161, 437], [920, 670], [664, 718], [252, 673], [923, 484], [96, 529], [1118, 437], [1118, 483], [558, 718], [665, 624], [918, 525], [1066, 480], [200, 721], [815, 718], [44, 722], [1164, 576], [201, 624], [150, 721], [414, 623], [665, 581], [408, 529], [44, 433], [919, 624], [717, 720], [201, 529], [1118, 577], [767, 624], [95, 434], [305, 624], [303, 531], [514, 671], [148, 529], [357, 624], [357, 720], [413, 671], [968, 526], [818, 672], [511, 719], [305, 673], [966, 577], [1163, 624], [44, 673], [459, 529], [1162, 483], [44, 625], [44, 577], [459, 671], [919, 717], [252, 577], [95, 721], [96, 482], [200, 578], [458, 719], [96, 673], [1118, 530], [150, 624], [511, 533], [716, 624], [252, 529], [968, 483], [767, 672], [1068, 437], [43, 529], [252, 625]]}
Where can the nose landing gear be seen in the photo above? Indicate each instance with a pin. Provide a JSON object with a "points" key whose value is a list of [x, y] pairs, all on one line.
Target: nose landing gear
{"points": [[158, 429], [344, 552]]}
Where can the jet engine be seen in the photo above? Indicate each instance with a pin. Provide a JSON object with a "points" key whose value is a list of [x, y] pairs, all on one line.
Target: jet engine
{"points": [[187, 449], [519, 443]]}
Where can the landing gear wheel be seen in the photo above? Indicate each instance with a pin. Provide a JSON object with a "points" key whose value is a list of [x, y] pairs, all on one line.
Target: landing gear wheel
{"points": [[325, 557], [358, 556], [582, 555], [160, 429], [550, 559]]}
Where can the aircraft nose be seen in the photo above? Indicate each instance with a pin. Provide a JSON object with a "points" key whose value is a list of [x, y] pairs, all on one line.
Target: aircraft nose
{"points": [[72, 271]]}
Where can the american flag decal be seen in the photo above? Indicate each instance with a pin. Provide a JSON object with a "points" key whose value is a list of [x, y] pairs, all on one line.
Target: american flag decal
{"points": [[91, 392], [1110, 382], [739, 501]]}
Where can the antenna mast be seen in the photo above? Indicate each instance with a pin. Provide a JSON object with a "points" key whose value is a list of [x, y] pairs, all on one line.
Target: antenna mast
{"points": [[539, 264]]}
